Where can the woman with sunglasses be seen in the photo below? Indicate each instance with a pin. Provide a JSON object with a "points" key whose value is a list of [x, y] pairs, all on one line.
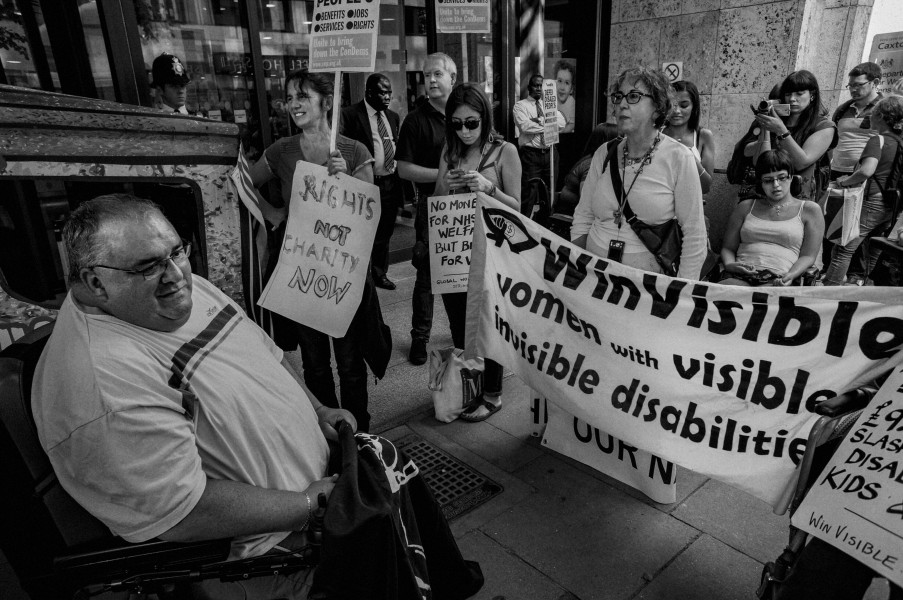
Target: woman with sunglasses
{"points": [[658, 177], [476, 159], [771, 241], [308, 98], [805, 133]]}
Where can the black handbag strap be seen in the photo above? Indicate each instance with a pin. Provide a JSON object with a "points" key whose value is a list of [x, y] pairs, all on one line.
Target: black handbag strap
{"points": [[617, 184]]}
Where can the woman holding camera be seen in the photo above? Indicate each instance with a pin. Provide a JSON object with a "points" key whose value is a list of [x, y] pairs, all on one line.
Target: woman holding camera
{"points": [[802, 129], [771, 241], [658, 178], [875, 166], [308, 98], [476, 159]]}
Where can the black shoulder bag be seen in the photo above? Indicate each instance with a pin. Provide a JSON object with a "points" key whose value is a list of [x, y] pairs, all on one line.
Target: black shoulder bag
{"points": [[664, 241]]}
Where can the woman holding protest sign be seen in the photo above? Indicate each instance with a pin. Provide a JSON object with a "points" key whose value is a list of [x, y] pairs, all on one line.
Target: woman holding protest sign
{"points": [[309, 101], [646, 174], [771, 241], [476, 159]]}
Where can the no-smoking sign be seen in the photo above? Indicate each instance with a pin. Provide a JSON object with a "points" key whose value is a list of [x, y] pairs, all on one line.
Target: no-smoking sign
{"points": [[674, 71]]}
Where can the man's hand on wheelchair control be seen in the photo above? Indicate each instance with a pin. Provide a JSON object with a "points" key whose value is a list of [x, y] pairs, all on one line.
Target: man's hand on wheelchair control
{"points": [[329, 419]]}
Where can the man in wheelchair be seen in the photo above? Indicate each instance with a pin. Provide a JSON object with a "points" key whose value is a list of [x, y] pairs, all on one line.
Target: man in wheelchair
{"points": [[165, 411]]}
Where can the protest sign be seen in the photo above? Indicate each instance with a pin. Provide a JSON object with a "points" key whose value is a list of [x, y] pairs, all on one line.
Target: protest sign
{"points": [[856, 504], [602, 451], [717, 379], [887, 53], [462, 16], [450, 237], [343, 36], [550, 112], [319, 279]]}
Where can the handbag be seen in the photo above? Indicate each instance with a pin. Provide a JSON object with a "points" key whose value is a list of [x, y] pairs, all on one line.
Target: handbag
{"points": [[454, 382]]}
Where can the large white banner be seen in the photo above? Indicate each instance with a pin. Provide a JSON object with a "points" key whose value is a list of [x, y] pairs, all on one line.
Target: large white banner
{"points": [[717, 379], [856, 504], [319, 279]]}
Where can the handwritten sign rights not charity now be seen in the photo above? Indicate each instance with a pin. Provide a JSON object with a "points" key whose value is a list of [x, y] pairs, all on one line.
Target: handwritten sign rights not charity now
{"points": [[319, 279]]}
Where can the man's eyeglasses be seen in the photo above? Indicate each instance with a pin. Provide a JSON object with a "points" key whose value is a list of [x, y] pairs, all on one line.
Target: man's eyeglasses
{"points": [[178, 256], [633, 96], [856, 86], [772, 180], [470, 124]]}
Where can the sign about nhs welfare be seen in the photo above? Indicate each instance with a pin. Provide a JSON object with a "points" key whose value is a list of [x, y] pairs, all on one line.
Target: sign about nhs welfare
{"points": [[462, 16], [450, 238], [343, 35], [319, 279]]}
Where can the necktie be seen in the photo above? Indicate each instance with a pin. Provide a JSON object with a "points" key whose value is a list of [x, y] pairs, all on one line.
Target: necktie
{"points": [[388, 150], [542, 136]]}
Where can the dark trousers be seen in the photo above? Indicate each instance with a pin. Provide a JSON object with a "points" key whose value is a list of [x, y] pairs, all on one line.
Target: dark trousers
{"points": [[456, 308], [390, 199], [349, 358], [422, 298], [825, 573], [534, 164]]}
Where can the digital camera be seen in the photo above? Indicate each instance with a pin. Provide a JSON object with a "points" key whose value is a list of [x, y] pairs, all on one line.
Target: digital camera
{"points": [[781, 110]]}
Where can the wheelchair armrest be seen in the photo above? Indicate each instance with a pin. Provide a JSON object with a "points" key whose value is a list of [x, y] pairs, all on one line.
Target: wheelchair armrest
{"points": [[847, 402], [127, 558]]}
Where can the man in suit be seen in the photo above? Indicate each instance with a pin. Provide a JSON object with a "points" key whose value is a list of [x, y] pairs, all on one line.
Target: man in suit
{"points": [[372, 123]]}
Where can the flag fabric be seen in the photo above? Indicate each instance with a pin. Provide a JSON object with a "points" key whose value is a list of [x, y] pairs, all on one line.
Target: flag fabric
{"points": [[254, 251]]}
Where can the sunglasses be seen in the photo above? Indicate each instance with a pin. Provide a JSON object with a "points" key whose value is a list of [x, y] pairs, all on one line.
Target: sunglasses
{"points": [[470, 124]]}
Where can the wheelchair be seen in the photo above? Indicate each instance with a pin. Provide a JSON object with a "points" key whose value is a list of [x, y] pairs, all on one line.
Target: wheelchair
{"points": [[59, 550], [838, 416]]}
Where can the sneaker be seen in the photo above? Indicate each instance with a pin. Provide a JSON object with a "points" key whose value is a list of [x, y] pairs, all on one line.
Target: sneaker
{"points": [[417, 354]]}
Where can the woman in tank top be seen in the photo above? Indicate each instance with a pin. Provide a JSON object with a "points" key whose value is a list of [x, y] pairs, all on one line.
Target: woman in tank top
{"points": [[771, 241], [683, 126], [475, 159]]}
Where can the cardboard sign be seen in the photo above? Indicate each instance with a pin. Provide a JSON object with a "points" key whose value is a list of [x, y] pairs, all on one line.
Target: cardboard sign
{"points": [[887, 53], [450, 238], [550, 111], [595, 448], [216, 115], [462, 16], [856, 504], [323, 261], [714, 378], [343, 36], [241, 116]]}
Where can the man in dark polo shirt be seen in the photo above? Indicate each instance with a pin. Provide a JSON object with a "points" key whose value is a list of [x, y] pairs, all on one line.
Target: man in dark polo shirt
{"points": [[419, 148], [375, 126]]}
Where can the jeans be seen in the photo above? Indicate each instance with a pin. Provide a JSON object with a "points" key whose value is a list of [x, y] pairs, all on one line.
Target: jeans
{"points": [[874, 213], [422, 298], [349, 358], [456, 308]]}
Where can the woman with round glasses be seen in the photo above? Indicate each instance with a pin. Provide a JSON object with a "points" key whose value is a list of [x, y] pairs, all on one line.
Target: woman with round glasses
{"points": [[805, 133], [308, 98], [476, 159], [875, 166], [683, 126], [658, 177], [771, 241]]}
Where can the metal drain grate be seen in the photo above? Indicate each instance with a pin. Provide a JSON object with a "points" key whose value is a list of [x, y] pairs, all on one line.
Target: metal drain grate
{"points": [[457, 488]]}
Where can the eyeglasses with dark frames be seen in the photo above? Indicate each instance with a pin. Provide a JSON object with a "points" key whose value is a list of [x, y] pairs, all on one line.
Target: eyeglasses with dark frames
{"points": [[782, 179], [633, 96], [470, 124], [179, 256], [856, 86]]}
